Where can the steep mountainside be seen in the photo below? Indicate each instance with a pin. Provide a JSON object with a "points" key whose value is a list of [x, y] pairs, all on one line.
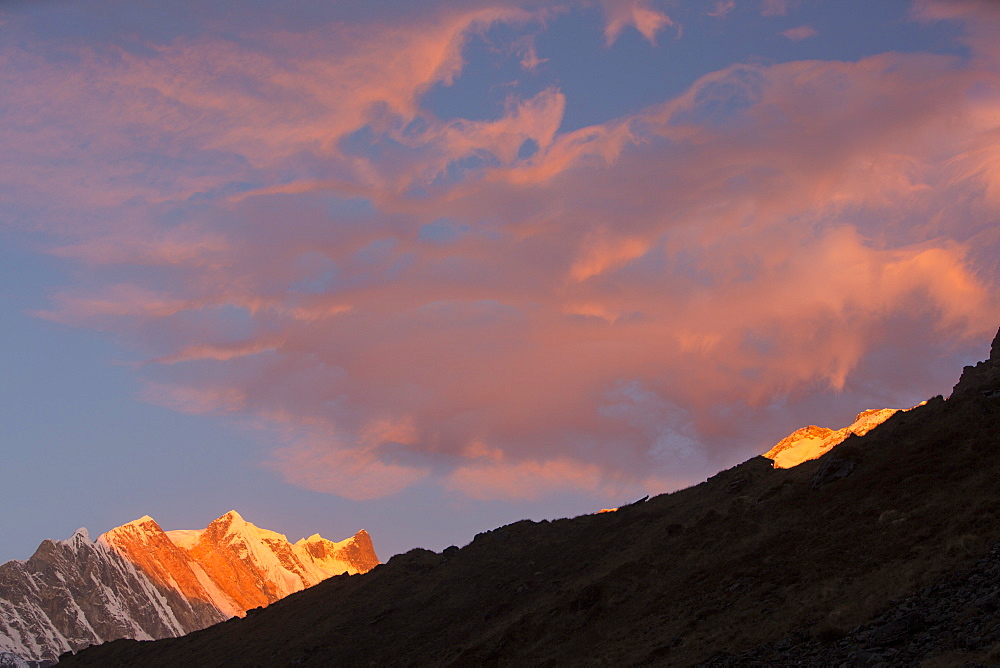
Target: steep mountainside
{"points": [[137, 581], [835, 556]]}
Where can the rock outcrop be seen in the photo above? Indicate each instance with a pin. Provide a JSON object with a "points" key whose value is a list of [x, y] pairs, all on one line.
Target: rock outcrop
{"points": [[983, 378]]}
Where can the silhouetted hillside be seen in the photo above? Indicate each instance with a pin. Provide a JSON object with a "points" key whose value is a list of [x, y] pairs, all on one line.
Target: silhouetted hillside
{"points": [[754, 565]]}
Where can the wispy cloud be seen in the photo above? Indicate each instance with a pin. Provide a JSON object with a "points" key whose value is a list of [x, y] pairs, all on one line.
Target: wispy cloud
{"points": [[639, 14], [722, 8], [776, 7], [800, 33]]}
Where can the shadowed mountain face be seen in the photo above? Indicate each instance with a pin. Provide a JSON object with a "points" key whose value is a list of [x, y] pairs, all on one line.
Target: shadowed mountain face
{"points": [[138, 581], [750, 566]]}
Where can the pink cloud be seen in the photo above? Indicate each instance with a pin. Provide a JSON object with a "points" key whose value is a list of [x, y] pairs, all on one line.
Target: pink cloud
{"points": [[980, 19], [357, 474], [524, 480], [603, 252], [218, 352], [638, 14], [776, 7], [800, 33], [525, 48], [188, 99], [606, 314], [722, 8], [114, 301], [196, 401]]}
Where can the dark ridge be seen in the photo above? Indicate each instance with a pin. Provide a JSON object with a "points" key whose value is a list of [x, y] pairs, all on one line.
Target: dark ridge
{"points": [[882, 551]]}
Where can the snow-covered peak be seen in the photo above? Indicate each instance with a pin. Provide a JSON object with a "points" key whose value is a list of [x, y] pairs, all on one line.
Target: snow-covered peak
{"points": [[144, 524], [79, 537], [813, 442], [316, 540], [185, 538], [233, 524], [143, 531], [871, 418], [234, 527]]}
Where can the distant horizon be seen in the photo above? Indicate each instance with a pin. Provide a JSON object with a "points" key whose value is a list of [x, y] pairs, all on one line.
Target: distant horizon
{"points": [[427, 270]]}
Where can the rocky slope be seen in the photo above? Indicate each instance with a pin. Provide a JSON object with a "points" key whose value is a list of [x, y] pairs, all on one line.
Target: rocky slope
{"points": [[953, 620], [753, 562], [10, 660], [137, 581]]}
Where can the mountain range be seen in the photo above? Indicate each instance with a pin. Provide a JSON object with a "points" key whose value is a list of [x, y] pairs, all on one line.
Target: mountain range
{"points": [[885, 550], [139, 581]]}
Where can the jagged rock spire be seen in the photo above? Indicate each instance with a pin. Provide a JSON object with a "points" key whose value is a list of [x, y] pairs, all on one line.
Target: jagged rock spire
{"points": [[984, 378]]}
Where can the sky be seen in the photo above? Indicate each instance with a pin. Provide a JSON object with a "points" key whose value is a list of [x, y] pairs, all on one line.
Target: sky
{"points": [[432, 267]]}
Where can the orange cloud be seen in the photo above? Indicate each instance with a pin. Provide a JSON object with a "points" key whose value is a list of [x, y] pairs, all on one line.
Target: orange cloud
{"points": [[524, 480], [601, 253], [800, 33]]}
